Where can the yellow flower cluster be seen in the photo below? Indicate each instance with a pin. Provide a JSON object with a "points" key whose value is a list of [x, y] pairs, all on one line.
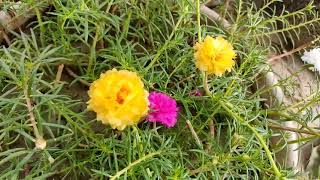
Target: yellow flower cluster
{"points": [[214, 55], [118, 98]]}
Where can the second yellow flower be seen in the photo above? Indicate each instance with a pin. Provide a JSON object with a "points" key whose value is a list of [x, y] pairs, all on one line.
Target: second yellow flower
{"points": [[214, 55]]}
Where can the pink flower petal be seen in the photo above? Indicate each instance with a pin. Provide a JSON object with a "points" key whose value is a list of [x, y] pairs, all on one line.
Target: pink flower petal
{"points": [[163, 109]]}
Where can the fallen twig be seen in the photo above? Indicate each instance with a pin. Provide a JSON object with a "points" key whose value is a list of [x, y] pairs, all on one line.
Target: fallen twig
{"points": [[12, 19], [194, 134], [272, 126], [212, 128], [274, 58], [59, 72], [214, 16], [74, 75]]}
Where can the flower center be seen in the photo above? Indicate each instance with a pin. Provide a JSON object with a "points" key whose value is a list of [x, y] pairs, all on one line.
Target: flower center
{"points": [[122, 94]]}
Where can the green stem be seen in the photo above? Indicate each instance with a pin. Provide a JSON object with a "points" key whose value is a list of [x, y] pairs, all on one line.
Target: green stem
{"points": [[42, 29], [258, 136], [165, 46], [198, 20], [119, 173], [40, 143], [92, 58]]}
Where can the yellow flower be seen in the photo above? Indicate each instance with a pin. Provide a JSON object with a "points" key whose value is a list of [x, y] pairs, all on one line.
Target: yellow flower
{"points": [[118, 98], [214, 55]]}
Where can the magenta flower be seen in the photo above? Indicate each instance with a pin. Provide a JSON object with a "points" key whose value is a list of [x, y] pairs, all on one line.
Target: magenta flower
{"points": [[163, 109]]}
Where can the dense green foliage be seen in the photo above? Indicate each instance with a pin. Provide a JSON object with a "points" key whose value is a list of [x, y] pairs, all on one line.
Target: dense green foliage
{"points": [[154, 38]]}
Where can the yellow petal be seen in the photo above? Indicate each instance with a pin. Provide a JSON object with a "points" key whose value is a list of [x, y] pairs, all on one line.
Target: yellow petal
{"points": [[118, 98], [214, 55]]}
